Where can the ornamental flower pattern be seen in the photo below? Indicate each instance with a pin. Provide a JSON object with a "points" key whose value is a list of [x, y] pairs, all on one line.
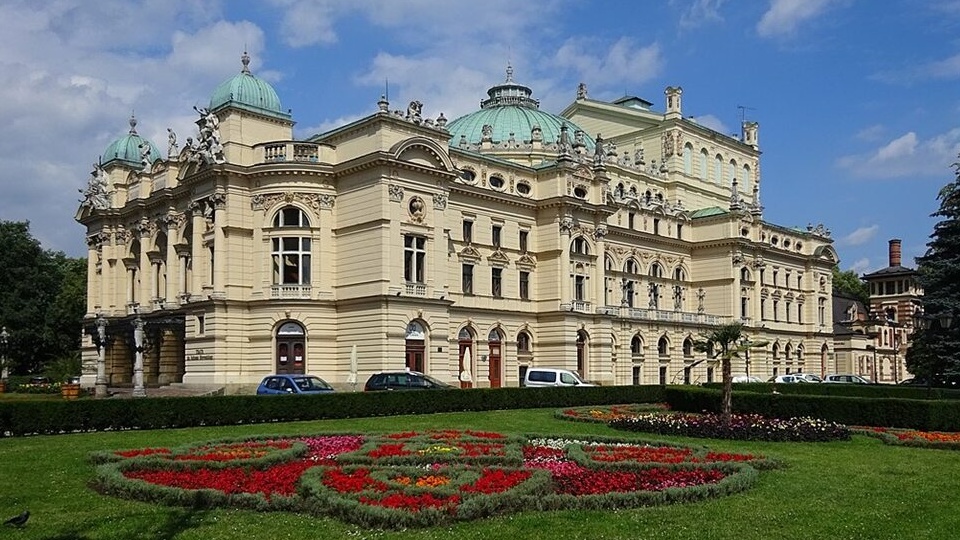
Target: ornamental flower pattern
{"points": [[416, 479]]}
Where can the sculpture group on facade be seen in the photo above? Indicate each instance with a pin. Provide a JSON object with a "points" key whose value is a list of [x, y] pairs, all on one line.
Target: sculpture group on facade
{"points": [[96, 196]]}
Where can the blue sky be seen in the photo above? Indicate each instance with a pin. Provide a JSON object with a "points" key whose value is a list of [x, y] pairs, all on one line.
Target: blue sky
{"points": [[857, 100]]}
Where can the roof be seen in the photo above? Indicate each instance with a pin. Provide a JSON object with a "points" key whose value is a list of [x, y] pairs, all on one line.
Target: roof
{"points": [[248, 92], [128, 149], [708, 212], [891, 271], [511, 112], [841, 308]]}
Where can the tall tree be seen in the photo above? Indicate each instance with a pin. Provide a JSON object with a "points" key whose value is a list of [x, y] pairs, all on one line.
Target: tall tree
{"points": [[726, 343], [42, 297], [849, 283], [935, 352]]}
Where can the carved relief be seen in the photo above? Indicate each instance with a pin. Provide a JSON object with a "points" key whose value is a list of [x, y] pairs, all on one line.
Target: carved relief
{"points": [[395, 192], [416, 208], [440, 201]]}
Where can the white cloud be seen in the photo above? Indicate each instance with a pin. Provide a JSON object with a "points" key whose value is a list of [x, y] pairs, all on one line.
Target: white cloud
{"points": [[860, 236], [622, 62], [906, 156], [871, 133], [784, 16], [861, 266], [714, 123], [700, 13]]}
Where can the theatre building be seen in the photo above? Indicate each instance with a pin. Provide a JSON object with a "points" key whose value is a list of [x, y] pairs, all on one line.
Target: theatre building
{"points": [[604, 239]]}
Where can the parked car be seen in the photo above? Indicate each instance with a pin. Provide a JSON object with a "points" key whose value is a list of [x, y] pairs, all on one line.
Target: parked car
{"points": [[537, 376], [293, 384], [788, 379], [747, 379], [809, 377], [403, 380], [40, 381], [846, 379]]}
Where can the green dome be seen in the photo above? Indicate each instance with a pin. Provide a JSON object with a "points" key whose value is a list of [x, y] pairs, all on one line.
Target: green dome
{"points": [[510, 111], [127, 149], [246, 91]]}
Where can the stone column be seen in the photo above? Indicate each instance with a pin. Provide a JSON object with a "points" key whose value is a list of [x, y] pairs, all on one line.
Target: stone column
{"points": [[197, 256], [219, 202], [599, 271], [174, 283], [144, 233], [566, 225]]}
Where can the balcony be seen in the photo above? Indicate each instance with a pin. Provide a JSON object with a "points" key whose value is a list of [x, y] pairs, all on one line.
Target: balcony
{"points": [[291, 292], [300, 152], [415, 289], [642, 314]]}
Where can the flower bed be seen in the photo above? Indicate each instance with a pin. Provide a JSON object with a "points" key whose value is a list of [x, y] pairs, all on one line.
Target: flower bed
{"points": [[604, 414], [746, 427], [413, 479], [908, 437]]}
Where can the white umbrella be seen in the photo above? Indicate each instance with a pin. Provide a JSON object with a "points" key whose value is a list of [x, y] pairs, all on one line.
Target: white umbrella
{"points": [[352, 377], [465, 373]]}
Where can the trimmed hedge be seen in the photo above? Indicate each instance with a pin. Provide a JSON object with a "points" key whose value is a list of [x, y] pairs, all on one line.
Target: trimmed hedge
{"points": [[926, 415], [849, 390], [51, 417]]}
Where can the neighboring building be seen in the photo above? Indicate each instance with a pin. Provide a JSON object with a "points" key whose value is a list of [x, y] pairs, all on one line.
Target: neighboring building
{"points": [[470, 250]]}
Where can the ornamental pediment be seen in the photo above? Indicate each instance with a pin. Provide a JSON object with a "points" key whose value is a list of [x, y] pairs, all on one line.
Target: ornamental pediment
{"points": [[527, 261], [497, 258], [469, 252]]}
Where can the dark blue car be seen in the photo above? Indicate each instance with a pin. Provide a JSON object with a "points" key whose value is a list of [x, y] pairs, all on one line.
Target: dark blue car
{"points": [[293, 384]]}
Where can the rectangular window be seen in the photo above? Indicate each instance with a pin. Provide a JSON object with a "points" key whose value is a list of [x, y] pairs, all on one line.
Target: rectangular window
{"points": [[762, 282], [800, 313], [636, 374], [663, 375], [524, 285], [523, 241], [763, 309], [201, 324], [744, 303], [467, 231], [656, 226], [579, 287], [800, 281], [775, 278], [414, 258], [630, 217], [496, 282], [466, 283], [787, 311], [291, 261], [679, 230], [776, 310], [495, 235]]}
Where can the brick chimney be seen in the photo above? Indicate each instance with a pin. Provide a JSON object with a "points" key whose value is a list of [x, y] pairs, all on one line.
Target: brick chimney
{"points": [[894, 252]]}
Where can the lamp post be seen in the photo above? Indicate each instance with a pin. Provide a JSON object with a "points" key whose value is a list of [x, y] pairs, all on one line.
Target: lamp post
{"points": [[138, 389], [745, 343], [4, 339], [101, 343]]}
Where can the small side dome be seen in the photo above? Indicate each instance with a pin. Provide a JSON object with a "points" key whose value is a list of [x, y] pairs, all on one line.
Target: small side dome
{"points": [[128, 150], [245, 91]]}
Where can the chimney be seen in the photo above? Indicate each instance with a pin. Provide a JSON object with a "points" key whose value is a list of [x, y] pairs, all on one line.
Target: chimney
{"points": [[895, 252]]}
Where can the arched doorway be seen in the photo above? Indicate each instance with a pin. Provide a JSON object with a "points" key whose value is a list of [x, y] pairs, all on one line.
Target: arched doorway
{"points": [[466, 355], [582, 354], [495, 358], [823, 360], [416, 347], [291, 348]]}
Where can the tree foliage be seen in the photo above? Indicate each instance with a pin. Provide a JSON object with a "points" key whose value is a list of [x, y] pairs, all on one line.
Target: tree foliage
{"points": [[42, 299], [725, 343], [935, 352], [848, 283]]}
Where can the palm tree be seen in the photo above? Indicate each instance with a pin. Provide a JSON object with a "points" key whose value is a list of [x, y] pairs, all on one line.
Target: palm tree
{"points": [[726, 342]]}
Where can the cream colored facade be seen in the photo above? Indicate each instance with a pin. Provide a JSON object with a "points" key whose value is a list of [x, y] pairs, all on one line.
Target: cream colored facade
{"points": [[408, 244]]}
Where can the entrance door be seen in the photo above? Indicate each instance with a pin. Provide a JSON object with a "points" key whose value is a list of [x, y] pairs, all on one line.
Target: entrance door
{"points": [[291, 349], [415, 352], [495, 364]]}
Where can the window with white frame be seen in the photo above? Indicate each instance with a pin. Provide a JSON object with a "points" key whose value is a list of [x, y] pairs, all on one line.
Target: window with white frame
{"points": [[291, 252], [414, 258]]}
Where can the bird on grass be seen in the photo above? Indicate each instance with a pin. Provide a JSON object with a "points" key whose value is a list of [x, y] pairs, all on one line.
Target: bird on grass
{"points": [[18, 521]]}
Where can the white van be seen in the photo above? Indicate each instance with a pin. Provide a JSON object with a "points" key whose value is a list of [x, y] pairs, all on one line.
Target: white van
{"points": [[538, 376]]}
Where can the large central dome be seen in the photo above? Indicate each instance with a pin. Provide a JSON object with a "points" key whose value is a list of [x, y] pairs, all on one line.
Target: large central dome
{"points": [[511, 114], [246, 91]]}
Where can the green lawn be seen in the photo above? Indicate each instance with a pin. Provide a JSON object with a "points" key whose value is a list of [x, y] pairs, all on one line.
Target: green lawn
{"points": [[846, 490]]}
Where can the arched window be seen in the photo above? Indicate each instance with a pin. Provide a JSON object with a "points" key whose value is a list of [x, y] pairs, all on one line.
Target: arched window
{"points": [[579, 246], [291, 253], [678, 274], [703, 165], [744, 274], [656, 270], [746, 178], [663, 346], [688, 159], [523, 343], [776, 352], [631, 267], [636, 348], [718, 169], [732, 173], [688, 348]]}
